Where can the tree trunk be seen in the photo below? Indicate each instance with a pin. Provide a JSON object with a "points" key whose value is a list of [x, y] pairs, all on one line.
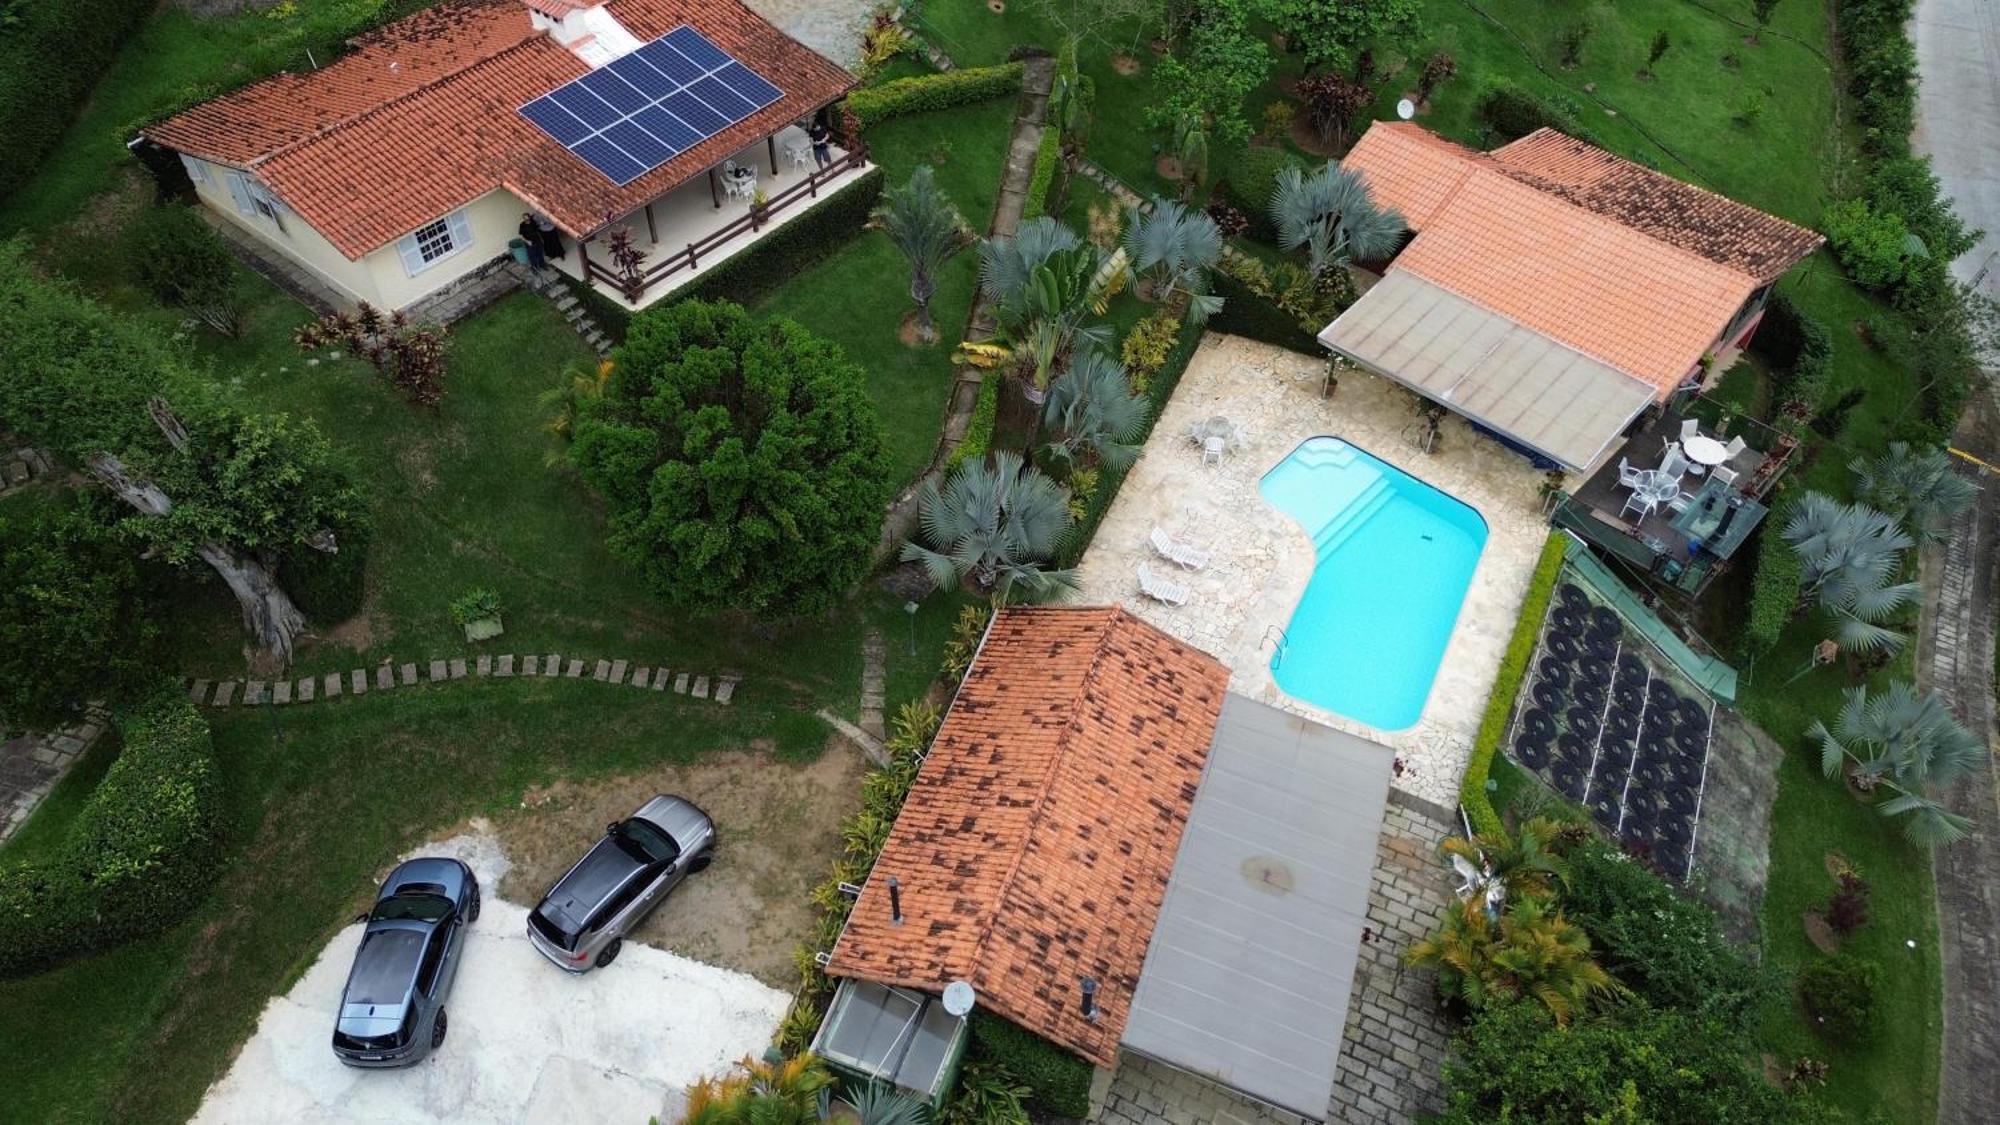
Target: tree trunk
{"points": [[268, 612], [922, 289]]}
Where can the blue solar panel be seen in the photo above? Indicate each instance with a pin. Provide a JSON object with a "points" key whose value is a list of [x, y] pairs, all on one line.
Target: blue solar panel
{"points": [[643, 109]]}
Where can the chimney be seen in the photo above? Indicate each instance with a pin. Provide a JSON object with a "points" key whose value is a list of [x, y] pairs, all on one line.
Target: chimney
{"points": [[590, 32], [895, 901], [1088, 987]]}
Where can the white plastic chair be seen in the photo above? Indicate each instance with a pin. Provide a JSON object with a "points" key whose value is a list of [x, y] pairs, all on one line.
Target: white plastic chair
{"points": [[1628, 477], [1160, 589], [1690, 429], [1725, 474], [799, 153], [1675, 466], [1212, 449], [1736, 445]]}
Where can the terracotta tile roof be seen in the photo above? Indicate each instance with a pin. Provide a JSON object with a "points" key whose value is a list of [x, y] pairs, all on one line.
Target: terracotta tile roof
{"points": [[1716, 227], [1561, 244], [1035, 848], [423, 117]]}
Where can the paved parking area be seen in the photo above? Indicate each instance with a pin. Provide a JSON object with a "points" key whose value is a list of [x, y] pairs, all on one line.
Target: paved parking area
{"points": [[528, 1042]]}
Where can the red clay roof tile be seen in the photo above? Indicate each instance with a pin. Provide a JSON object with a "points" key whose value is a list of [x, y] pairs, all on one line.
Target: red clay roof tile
{"points": [[1035, 847]]}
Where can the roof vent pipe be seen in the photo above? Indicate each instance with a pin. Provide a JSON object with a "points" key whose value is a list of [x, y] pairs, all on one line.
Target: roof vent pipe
{"points": [[895, 901], [1089, 989]]}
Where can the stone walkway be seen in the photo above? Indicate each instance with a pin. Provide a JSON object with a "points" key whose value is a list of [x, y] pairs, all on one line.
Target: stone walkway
{"points": [[1393, 1048], [549, 284], [389, 675], [32, 764], [1954, 659], [874, 655]]}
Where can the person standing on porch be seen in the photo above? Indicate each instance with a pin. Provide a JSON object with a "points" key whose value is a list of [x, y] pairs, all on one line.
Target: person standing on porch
{"points": [[821, 138], [552, 243], [532, 235]]}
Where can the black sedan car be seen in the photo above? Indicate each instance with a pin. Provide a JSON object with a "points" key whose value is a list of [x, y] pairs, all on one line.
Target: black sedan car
{"points": [[392, 1011]]}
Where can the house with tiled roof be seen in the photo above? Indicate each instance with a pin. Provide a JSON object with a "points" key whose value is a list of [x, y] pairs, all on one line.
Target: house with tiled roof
{"points": [[1552, 291], [1106, 847], [410, 162]]}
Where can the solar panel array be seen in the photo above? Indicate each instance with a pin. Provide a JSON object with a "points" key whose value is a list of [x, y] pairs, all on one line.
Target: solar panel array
{"points": [[1605, 732], [645, 108]]}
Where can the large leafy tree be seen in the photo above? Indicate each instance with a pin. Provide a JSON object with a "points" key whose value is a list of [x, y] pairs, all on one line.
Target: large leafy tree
{"points": [[73, 610], [995, 525], [920, 219], [1916, 486], [1849, 555], [1530, 951], [1908, 741], [1332, 33], [1208, 79], [1334, 216], [203, 482], [741, 459]]}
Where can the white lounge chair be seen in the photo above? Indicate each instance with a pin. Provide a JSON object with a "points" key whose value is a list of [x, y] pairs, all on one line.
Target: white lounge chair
{"points": [[1212, 449], [1160, 589], [1185, 555]]}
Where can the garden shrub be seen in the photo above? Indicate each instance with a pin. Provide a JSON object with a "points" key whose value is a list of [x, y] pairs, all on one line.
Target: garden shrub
{"points": [[1906, 186], [330, 586], [1513, 666], [1870, 244], [1881, 67], [1799, 350], [1636, 1063], [141, 854], [182, 262], [52, 52], [1774, 592], [1246, 313], [978, 439], [1839, 995], [1664, 947], [741, 460], [926, 93], [1513, 112], [1058, 1081], [1249, 183], [1046, 156]]}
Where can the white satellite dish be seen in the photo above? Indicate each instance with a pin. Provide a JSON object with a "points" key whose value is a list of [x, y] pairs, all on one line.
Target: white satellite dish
{"points": [[958, 997], [1406, 109]]}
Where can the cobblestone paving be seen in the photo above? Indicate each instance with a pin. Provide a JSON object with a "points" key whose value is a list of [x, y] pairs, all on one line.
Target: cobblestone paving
{"points": [[1395, 1039], [31, 764]]}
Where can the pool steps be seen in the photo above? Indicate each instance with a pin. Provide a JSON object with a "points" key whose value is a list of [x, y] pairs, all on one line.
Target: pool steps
{"points": [[1351, 517]]}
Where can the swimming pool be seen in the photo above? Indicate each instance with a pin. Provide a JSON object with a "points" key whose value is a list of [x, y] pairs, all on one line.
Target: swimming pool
{"points": [[1395, 557]]}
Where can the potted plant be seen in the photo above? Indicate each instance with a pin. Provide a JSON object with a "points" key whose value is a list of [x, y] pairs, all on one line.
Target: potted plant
{"points": [[477, 611]]}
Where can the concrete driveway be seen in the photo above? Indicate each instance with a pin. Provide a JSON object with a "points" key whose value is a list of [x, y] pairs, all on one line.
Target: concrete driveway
{"points": [[528, 1042], [1958, 119]]}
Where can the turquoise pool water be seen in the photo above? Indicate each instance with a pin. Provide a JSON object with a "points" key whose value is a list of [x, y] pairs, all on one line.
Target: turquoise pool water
{"points": [[1395, 558]]}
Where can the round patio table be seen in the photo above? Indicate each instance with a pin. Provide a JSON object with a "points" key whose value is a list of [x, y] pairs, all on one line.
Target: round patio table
{"points": [[1215, 427], [1705, 450]]}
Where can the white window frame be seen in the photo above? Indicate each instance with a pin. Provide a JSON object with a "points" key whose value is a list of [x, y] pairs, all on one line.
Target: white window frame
{"points": [[436, 241], [254, 201], [197, 172]]}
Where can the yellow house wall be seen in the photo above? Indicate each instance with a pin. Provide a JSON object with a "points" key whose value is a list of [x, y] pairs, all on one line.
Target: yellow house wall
{"points": [[297, 241]]}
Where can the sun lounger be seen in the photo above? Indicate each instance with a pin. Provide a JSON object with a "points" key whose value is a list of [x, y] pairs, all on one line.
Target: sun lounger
{"points": [[1180, 554], [1160, 589]]}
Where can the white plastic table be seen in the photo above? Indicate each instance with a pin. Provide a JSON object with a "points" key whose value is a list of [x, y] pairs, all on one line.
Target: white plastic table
{"points": [[1705, 450]]}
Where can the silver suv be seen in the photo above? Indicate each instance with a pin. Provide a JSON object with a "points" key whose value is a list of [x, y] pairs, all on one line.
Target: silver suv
{"points": [[582, 920]]}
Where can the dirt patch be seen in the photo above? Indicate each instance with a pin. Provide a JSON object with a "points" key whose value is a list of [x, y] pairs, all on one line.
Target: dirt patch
{"points": [[1169, 167], [1820, 933], [1125, 63], [778, 829], [1308, 139], [909, 331]]}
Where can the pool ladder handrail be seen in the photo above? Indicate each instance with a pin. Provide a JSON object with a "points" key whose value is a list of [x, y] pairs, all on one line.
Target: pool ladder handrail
{"points": [[1281, 645]]}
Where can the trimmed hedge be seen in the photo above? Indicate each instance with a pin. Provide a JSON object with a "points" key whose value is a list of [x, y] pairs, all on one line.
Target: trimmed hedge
{"points": [[927, 92], [50, 60], [978, 439], [1513, 112], [771, 261], [1058, 1082], [1249, 184], [1774, 592], [140, 855], [1044, 176], [1514, 666], [1246, 314]]}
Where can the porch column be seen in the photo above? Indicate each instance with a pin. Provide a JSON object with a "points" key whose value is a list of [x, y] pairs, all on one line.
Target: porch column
{"points": [[714, 188], [771, 146], [651, 232], [583, 257]]}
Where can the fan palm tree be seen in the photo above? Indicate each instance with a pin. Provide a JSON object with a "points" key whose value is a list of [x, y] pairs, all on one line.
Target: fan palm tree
{"points": [[1045, 284], [879, 1104], [1093, 409], [1521, 861], [1334, 216], [996, 525], [921, 221], [1848, 554], [1908, 740], [1529, 951], [1172, 250], [1917, 487]]}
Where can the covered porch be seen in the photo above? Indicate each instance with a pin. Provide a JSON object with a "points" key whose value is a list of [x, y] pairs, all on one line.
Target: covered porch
{"points": [[705, 220]]}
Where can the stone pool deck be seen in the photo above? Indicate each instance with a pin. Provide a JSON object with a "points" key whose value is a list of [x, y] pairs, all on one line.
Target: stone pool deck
{"points": [[1263, 560]]}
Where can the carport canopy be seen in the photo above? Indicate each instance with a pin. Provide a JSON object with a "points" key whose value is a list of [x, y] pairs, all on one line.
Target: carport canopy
{"points": [[1497, 372], [1247, 979]]}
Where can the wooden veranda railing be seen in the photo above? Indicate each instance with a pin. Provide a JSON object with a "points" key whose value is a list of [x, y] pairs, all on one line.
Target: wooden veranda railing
{"points": [[689, 259]]}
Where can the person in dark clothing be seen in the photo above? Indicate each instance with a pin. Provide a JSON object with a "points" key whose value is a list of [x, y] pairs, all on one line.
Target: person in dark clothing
{"points": [[822, 141], [532, 235], [552, 243]]}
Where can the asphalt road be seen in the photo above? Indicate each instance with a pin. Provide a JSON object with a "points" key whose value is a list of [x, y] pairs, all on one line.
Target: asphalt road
{"points": [[1958, 119]]}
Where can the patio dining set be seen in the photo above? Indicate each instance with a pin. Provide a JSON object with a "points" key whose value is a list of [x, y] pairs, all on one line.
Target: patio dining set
{"points": [[1695, 454]]}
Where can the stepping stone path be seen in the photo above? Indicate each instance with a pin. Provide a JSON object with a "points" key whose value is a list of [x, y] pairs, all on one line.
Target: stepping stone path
{"points": [[31, 765], [874, 654], [720, 687]]}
